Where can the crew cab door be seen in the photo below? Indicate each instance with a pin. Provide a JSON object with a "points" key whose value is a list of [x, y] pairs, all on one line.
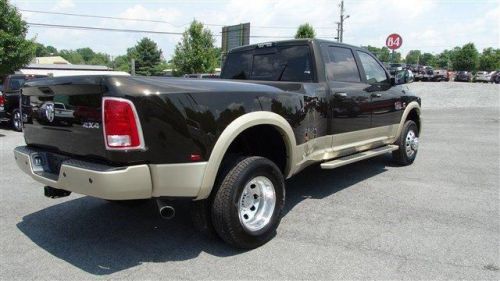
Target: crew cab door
{"points": [[385, 99], [349, 102]]}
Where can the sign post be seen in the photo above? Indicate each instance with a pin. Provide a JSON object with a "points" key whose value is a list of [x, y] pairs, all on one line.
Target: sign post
{"points": [[393, 42]]}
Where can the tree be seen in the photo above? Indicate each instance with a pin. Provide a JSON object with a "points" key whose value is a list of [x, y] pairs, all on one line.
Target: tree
{"points": [[44, 51], [443, 60], [427, 59], [195, 53], [72, 56], [86, 53], [121, 63], [305, 31], [413, 57], [15, 50], [383, 54], [148, 57], [465, 58], [489, 59]]}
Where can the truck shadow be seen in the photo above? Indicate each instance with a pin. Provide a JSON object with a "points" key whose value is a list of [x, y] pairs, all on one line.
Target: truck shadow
{"points": [[102, 238]]}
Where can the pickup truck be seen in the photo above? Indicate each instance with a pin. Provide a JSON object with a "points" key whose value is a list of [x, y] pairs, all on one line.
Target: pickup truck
{"points": [[225, 144], [9, 99]]}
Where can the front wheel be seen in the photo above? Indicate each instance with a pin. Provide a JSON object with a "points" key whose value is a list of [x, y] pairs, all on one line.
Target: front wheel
{"points": [[408, 144], [248, 204], [17, 120]]}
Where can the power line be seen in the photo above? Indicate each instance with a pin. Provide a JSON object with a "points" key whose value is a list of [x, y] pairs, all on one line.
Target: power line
{"points": [[154, 21], [79, 27], [94, 16]]}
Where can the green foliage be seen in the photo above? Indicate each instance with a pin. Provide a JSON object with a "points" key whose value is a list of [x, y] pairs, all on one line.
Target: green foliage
{"points": [[413, 57], [45, 51], [465, 58], [121, 63], [148, 58], [384, 54], [195, 53], [15, 50], [489, 59], [427, 59], [305, 31], [443, 60], [72, 56]]}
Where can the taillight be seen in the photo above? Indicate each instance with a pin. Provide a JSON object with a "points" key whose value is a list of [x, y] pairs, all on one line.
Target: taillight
{"points": [[122, 129], [2, 100]]}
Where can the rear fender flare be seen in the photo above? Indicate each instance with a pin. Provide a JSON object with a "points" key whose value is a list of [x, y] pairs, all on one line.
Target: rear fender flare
{"points": [[232, 131]]}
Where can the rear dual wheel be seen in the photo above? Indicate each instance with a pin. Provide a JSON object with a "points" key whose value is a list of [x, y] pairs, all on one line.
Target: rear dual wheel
{"points": [[246, 208]]}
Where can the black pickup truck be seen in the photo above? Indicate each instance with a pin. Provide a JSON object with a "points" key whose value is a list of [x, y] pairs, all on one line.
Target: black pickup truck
{"points": [[228, 145]]}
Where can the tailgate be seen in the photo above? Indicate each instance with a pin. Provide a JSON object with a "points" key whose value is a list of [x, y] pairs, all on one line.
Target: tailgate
{"points": [[64, 115]]}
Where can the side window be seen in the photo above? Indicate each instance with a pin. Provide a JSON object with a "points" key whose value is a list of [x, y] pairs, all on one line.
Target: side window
{"points": [[375, 73], [340, 64]]}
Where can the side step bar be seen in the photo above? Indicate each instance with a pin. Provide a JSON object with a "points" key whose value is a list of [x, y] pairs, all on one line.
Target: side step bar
{"points": [[358, 157]]}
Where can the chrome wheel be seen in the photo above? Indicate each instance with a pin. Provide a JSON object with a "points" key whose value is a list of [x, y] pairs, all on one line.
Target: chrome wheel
{"points": [[411, 143], [257, 203], [17, 121]]}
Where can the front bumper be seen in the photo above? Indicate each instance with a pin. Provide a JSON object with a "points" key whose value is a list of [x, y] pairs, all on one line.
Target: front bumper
{"points": [[107, 182]]}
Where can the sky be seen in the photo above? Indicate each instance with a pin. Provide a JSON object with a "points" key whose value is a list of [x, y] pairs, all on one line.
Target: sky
{"points": [[430, 26]]}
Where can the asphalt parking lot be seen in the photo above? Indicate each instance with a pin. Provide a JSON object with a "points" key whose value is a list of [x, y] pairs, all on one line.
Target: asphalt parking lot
{"points": [[436, 219]]}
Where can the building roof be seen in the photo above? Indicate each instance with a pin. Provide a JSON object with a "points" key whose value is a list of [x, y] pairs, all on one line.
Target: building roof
{"points": [[50, 60], [67, 67]]}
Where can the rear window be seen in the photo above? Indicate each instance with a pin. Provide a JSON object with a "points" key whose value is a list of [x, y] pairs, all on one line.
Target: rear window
{"points": [[284, 63]]}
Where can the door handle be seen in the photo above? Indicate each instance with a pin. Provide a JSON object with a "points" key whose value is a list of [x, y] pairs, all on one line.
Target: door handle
{"points": [[376, 95], [341, 95]]}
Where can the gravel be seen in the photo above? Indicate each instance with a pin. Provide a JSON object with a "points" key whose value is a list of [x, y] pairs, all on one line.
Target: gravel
{"points": [[436, 219]]}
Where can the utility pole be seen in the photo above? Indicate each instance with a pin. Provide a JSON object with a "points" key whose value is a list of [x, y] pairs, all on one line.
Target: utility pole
{"points": [[132, 67], [342, 19], [338, 32]]}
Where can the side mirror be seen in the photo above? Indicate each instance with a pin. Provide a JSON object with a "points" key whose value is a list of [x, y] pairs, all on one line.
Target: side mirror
{"points": [[402, 77]]}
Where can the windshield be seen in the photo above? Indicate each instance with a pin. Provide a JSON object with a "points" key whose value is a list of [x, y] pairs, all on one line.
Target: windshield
{"points": [[16, 83], [283, 63]]}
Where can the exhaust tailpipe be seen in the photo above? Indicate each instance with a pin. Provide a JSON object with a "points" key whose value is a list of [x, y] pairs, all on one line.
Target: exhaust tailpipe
{"points": [[166, 211]]}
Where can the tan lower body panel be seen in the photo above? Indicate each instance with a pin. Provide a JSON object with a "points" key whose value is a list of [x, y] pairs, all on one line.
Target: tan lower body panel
{"points": [[177, 180], [334, 146], [133, 182]]}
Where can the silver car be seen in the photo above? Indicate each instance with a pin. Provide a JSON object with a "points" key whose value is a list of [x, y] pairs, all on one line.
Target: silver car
{"points": [[482, 76]]}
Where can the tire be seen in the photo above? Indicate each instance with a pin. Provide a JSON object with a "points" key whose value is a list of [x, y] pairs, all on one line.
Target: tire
{"points": [[16, 120], [247, 207], [408, 144]]}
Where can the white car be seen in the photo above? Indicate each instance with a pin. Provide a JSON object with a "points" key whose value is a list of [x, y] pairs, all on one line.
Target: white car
{"points": [[482, 76]]}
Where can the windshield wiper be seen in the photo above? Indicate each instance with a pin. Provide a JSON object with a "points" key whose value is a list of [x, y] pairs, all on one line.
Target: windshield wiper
{"points": [[282, 71]]}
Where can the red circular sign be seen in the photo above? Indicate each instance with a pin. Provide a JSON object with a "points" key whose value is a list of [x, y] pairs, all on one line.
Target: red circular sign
{"points": [[394, 41]]}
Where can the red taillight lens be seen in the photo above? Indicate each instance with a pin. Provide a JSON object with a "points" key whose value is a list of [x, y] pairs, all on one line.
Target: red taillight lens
{"points": [[121, 125], [2, 100]]}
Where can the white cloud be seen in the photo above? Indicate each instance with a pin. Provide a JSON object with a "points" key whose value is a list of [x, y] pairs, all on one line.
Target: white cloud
{"points": [[62, 5]]}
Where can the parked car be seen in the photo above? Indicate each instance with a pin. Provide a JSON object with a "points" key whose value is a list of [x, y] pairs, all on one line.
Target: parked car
{"points": [[9, 99], [482, 76], [228, 145], [495, 77], [202, 76], [395, 67], [424, 73], [441, 75], [463, 76]]}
